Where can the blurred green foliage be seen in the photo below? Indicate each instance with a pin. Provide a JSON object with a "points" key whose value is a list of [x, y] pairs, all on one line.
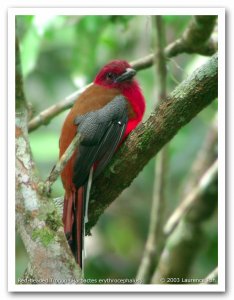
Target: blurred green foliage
{"points": [[62, 53]]}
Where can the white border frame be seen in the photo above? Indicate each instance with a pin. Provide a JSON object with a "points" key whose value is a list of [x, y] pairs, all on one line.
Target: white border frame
{"points": [[220, 287]]}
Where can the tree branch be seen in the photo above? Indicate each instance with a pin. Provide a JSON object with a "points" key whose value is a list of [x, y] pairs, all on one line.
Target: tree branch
{"points": [[155, 239], [45, 188], [205, 158], [196, 38], [200, 26], [44, 117], [192, 197], [37, 220], [183, 244], [184, 103]]}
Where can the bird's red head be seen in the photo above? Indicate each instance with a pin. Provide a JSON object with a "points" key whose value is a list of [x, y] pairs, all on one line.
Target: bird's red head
{"points": [[116, 74]]}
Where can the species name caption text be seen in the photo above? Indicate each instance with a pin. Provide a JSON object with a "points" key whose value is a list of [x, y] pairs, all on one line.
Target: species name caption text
{"points": [[79, 281]]}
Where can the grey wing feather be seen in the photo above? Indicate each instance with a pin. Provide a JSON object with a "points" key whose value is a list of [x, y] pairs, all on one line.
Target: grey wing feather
{"points": [[101, 133], [110, 144]]}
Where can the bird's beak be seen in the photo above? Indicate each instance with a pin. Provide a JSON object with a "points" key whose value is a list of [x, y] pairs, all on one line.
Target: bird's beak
{"points": [[127, 75]]}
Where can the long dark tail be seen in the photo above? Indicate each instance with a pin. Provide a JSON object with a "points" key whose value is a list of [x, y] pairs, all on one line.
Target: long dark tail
{"points": [[75, 215], [73, 219]]}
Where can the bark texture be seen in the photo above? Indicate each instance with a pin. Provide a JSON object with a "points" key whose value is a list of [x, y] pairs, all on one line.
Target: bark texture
{"points": [[37, 219]]}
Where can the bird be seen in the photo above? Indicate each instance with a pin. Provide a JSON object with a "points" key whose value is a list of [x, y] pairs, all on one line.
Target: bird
{"points": [[104, 114]]}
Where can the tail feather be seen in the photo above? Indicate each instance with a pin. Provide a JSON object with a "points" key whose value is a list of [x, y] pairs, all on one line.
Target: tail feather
{"points": [[68, 215], [75, 215], [87, 194], [79, 225], [73, 222]]}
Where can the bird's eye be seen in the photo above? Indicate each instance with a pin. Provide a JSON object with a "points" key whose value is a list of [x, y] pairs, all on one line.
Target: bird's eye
{"points": [[110, 76]]}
